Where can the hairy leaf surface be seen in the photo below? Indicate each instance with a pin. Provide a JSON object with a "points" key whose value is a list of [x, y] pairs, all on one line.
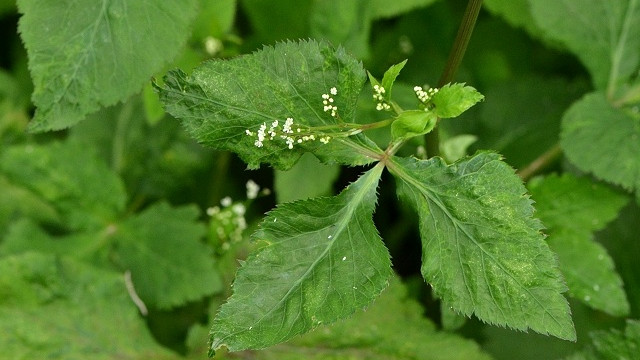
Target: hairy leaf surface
{"points": [[483, 252], [603, 140], [57, 308], [88, 54], [169, 265], [322, 260], [572, 208], [603, 34], [222, 99]]}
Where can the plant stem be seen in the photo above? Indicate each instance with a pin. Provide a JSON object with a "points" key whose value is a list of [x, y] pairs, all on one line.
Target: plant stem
{"points": [[453, 62], [539, 164]]}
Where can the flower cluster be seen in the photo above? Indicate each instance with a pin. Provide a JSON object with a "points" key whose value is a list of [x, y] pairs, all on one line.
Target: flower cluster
{"points": [[424, 96], [327, 101], [286, 133], [378, 95]]}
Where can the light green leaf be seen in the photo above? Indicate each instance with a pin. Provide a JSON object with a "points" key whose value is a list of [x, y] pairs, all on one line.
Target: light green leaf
{"points": [[322, 260], [88, 54], [56, 308], [85, 193], [603, 34], [296, 184], [222, 99], [168, 262], [572, 208], [392, 328], [385, 9], [455, 148], [390, 77], [452, 100], [483, 252], [603, 140], [215, 18], [412, 123]]}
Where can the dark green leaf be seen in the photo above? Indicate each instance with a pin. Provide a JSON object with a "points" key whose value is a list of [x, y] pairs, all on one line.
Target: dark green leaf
{"points": [[321, 260], [223, 99], [483, 252], [88, 54], [53, 308], [604, 140], [168, 262], [452, 100]]}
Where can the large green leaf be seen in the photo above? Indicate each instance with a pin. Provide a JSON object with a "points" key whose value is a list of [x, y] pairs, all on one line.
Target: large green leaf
{"points": [[603, 34], [168, 262], [572, 208], [321, 260], [222, 99], [56, 308], [483, 252], [602, 139], [85, 193], [87, 54]]}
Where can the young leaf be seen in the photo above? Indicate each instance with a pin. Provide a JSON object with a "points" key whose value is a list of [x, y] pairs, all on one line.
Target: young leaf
{"points": [[572, 208], [322, 260], [88, 54], [483, 252], [412, 123], [604, 140], [603, 34], [57, 308], [390, 76], [223, 99], [169, 265], [452, 100]]}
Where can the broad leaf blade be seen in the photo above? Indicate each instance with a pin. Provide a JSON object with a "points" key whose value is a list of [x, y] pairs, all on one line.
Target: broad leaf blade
{"points": [[452, 100], [604, 140], [483, 252], [222, 99], [88, 54], [168, 262], [603, 34], [573, 208], [58, 308], [323, 259]]}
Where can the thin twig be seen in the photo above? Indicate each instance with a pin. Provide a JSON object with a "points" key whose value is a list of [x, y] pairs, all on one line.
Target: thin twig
{"points": [[540, 163]]}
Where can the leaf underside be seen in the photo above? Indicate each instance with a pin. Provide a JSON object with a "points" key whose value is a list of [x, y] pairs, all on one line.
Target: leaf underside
{"points": [[483, 252], [322, 260]]}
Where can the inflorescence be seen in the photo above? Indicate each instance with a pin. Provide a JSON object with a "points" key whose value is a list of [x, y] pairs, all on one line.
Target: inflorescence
{"points": [[294, 134], [424, 96], [378, 95]]}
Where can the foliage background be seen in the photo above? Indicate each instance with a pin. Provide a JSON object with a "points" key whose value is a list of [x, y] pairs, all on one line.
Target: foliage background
{"points": [[127, 190]]}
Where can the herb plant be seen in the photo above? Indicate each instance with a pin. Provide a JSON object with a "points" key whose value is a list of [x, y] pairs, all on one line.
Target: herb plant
{"points": [[110, 183]]}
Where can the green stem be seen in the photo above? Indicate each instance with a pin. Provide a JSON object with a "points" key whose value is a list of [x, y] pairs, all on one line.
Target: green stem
{"points": [[540, 163], [453, 62]]}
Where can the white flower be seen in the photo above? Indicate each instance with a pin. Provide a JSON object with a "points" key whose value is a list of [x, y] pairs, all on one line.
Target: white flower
{"points": [[226, 201], [333, 91], [252, 189]]}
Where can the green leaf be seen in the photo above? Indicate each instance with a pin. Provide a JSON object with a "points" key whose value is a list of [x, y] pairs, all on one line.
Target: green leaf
{"points": [[385, 9], [83, 190], [56, 308], [84, 55], [603, 34], [482, 251], [613, 344], [452, 100], [516, 13], [321, 260], [274, 20], [572, 208], [455, 148], [603, 140], [342, 22], [390, 77], [215, 18], [412, 123], [222, 99], [296, 184], [393, 328], [168, 262]]}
